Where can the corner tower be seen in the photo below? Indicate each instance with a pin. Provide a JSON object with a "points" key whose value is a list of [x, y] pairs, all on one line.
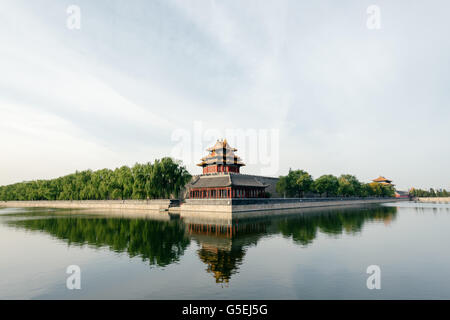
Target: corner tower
{"points": [[221, 176], [221, 158]]}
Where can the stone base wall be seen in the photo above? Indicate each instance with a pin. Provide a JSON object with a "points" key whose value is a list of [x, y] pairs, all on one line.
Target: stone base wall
{"points": [[207, 208], [434, 199], [235, 208], [304, 204], [94, 204]]}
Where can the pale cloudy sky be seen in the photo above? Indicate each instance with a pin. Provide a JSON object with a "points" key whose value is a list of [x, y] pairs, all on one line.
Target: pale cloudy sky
{"points": [[344, 98]]}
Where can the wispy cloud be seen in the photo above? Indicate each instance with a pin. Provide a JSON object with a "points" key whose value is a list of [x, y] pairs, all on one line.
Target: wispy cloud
{"points": [[345, 98]]}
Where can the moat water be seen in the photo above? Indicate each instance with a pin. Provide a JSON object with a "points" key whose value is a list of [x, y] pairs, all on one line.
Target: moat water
{"points": [[313, 255]]}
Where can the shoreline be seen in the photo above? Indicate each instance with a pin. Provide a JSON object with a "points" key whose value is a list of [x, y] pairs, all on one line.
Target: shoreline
{"points": [[210, 208], [250, 208], [433, 199], [155, 205]]}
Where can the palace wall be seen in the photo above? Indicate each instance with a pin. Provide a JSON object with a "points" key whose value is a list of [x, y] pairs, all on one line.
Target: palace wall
{"points": [[434, 199], [240, 208], [270, 181], [163, 204]]}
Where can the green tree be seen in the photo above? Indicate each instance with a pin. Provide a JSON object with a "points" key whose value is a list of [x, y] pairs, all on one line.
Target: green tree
{"points": [[162, 179], [281, 186], [387, 191], [304, 182], [296, 183], [432, 193], [366, 190], [375, 189], [326, 184], [349, 186]]}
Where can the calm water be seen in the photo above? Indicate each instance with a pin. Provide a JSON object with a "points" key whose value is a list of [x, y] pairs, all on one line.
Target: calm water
{"points": [[315, 255]]}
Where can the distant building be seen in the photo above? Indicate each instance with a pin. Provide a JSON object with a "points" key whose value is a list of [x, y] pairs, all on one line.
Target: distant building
{"points": [[402, 194], [398, 194], [383, 180], [221, 176]]}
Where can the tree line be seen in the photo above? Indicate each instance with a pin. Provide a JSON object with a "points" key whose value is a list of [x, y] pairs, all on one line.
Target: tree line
{"points": [[161, 179], [162, 243], [304, 229], [298, 183], [429, 193], [158, 242]]}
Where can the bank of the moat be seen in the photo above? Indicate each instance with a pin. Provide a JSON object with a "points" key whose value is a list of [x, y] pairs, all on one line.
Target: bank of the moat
{"points": [[206, 208]]}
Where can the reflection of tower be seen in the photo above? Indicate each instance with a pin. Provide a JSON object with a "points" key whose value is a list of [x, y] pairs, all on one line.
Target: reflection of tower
{"points": [[223, 245], [387, 220], [385, 216], [221, 262]]}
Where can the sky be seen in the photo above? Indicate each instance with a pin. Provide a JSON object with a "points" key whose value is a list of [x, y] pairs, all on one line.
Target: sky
{"points": [[306, 85]]}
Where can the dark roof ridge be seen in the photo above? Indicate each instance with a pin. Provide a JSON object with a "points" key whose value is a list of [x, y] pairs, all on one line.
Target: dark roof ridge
{"points": [[248, 180], [253, 175]]}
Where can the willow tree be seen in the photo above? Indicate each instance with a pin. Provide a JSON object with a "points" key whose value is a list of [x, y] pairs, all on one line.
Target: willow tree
{"points": [[162, 179], [295, 184], [326, 184]]}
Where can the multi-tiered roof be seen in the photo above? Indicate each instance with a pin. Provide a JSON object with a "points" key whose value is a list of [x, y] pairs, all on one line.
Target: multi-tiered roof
{"points": [[221, 153], [383, 180], [221, 177]]}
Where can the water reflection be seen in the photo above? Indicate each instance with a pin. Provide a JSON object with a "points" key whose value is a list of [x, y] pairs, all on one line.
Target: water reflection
{"points": [[222, 246], [158, 242], [303, 229]]}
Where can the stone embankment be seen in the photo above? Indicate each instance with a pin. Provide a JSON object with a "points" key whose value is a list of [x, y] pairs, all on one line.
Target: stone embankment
{"points": [[213, 208], [163, 204], [234, 208], [434, 199]]}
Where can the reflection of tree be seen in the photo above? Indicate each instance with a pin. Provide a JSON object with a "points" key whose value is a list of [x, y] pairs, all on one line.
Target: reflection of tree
{"points": [[223, 252], [222, 263], [303, 229], [223, 247], [159, 242]]}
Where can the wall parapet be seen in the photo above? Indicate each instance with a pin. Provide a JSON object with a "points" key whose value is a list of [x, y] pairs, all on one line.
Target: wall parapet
{"points": [[433, 199], [151, 204], [256, 207], [249, 201]]}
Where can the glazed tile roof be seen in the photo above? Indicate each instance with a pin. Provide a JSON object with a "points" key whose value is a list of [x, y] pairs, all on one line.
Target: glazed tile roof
{"points": [[226, 180], [211, 181], [381, 179], [221, 153], [244, 180], [221, 144]]}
